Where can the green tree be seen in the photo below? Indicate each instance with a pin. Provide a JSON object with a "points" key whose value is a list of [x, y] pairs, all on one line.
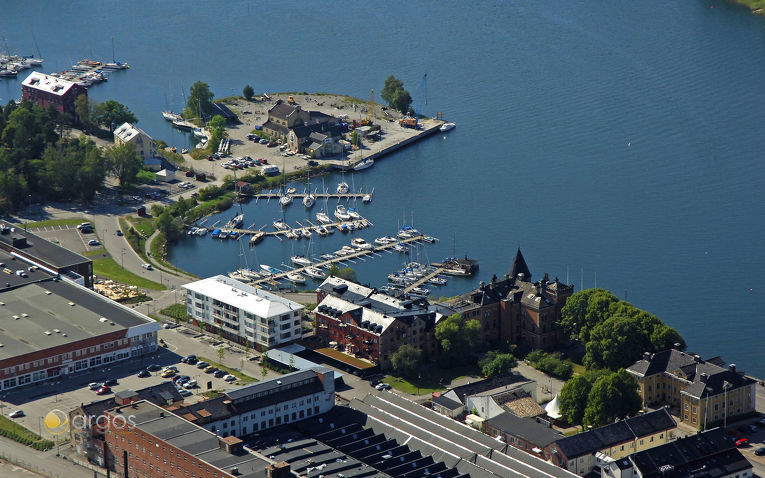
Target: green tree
{"points": [[124, 163], [112, 114], [264, 363], [573, 398], [346, 273], [355, 138], [248, 92], [401, 100], [168, 225], [391, 85], [217, 128], [84, 111], [497, 363], [612, 396], [200, 100], [406, 360], [664, 338], [457, 338], [221, 353]]}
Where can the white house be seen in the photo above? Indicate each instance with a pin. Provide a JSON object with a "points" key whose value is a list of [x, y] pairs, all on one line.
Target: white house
{"points": [[130, 134], [242, 312]]}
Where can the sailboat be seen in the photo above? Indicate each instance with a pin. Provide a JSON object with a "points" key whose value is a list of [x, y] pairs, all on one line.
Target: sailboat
{"points": [[364, 163], [115, 65], [286, 199], [309, 200]]}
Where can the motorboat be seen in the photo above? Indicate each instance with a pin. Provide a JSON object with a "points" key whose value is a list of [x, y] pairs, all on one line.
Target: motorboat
{"points": [[215, 233], [296, 278], [354, 215], [298, 233], [200, 133], [367, 198], [437, 280], [364, 164], [280, 225], [321, 231], [201, 231], [291, 235], [257, 237], [184, 150], [314, 273], [306, 232], [233, 235], [235, 222], [446, 127], [419, 291], [361, 244], [269, 269], [291, 190], [380, 241], [223, 235], [404, 235], [328, 257], [309, 201], [343, 227], [429, 239], [348, 249], [323, 218], [192, 231], [182, 124], [340, 253], [300, 260], [341, 213], [285, 200], [400, 248], [116, 65], [342, 188]]}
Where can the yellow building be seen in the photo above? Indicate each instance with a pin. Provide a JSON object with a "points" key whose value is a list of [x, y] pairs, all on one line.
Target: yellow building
{"points": [[700, 392], [142, 142]]}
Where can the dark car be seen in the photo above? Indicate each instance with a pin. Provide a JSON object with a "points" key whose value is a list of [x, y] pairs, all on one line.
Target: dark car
{"points": [[313, 163], [220, 373], [111, 382], [144, 374], [119, 233], [154, 368], [760, 451], [201, 365], [180, 379]]}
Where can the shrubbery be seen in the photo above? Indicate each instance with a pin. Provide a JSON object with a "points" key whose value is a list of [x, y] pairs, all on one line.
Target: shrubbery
{"points": [[551, 364]]}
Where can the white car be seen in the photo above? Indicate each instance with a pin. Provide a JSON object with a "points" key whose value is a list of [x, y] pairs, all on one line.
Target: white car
{"points": [[94, 386], [230, 378], [190, 384], [147, 266]]}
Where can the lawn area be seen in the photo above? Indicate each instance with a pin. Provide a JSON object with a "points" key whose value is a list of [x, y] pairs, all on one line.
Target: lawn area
{"points": [[578, 369], [58, 222], [431, 379], [244, 379], [16, 432], [109, 268], [176, 311], [134, 239], [95, 252], [144, 225]]}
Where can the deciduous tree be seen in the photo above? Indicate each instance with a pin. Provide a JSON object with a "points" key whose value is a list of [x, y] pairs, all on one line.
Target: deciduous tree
{"points": [[391, 85], [200, 99], [612, 396], [497, 363], [124, 163], [112, 114], [406, 360], [248, 92], [457, 338]]}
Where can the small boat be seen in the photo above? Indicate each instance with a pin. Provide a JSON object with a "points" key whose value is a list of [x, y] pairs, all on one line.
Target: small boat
{"points": [[437, 281], [184, 151], [182, 124], [257, 237], [309, 201], [280, 225], [419, 291], [380, 241], [192, 231], [429, 239], [400, 248], [341, 213], [269, 269], [300, 260], [235, 222], [201, 231], [306, 232], [323, 218], [233, 235], [200, 133], [364, 164], [314, 273], [340, 253], [291, 190], [215, 233], [328, 257], [447, 126], [223, 235], [354, 215], [367, 198], [298, 233], [321, 231], [291, 235], [285, 200], [361, 244], [296, 278], [342, 188], [343, 227]]}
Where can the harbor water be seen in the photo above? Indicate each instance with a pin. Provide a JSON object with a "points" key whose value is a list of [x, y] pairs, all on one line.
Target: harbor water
{"points": [[616, 143]]}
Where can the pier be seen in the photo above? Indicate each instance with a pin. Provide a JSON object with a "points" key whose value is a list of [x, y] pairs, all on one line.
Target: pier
{"points": [[422, 280], [324, 195], [338, 260]]}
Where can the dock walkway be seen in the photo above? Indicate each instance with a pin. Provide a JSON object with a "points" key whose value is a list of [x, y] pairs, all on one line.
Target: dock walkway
{"points": [[423, 280], [347, 258]]}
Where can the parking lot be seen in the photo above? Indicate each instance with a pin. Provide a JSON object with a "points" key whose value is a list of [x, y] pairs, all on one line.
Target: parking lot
{"points": [[69, 392], [69, 237]]}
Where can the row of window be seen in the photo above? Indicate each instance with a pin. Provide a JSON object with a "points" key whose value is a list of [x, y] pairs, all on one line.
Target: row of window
{"points": [[55, 372]]}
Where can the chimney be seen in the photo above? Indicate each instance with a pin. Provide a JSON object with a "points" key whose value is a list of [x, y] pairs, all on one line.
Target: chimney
{"points": [[704, 377], [732, 367]]}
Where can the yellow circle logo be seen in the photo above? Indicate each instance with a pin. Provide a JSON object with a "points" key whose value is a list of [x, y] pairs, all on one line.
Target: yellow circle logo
{"points": [[56, 422]]}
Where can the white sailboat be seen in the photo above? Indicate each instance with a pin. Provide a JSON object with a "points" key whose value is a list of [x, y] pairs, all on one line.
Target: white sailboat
{"points": [[341, 213], [323, 218], [309, 200]]}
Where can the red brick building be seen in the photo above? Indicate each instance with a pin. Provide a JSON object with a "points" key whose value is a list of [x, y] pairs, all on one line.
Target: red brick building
{"points": [[46, 91]]}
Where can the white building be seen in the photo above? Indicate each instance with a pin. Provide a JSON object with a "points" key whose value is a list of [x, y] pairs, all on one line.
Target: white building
{"points": [[264, 405], [130, 134], [242, 312]]}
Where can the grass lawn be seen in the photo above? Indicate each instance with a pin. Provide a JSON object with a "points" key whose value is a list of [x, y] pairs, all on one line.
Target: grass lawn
{"points": [[58, 222], [95, 252], [109, 268], [211, 394], [242, 377], [16, 432], [431, 379], [144, 225], [176, 311], [578, 369]]}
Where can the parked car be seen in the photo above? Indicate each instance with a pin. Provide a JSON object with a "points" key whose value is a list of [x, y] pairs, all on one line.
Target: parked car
{"points": [[313, 163], [16, 414], [103, 391], [111, 382], [230, 378], [119, 233], [153, 368], [185, 393], [760, 451], [202, 365], [263, 141], [21, 273], [741, 442], [189, 174], [84, 225], [210, 369], [168, 373], [144, 374], [220, 373], [190, 384], [94, 386]]}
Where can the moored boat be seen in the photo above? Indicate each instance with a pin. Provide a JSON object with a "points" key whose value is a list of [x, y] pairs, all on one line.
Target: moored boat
{"points": [[364, 164], [447, 127], [323, 218], [257, 237], [314, 273], [296, 278], [300, 260], [342, 188]]}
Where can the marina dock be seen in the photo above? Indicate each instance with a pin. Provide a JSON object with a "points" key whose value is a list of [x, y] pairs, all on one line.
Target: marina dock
{"points": [[317, 195], [361, 255], [423, 280]]}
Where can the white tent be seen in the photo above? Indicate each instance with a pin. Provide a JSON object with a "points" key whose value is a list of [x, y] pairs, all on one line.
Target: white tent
{"points": [[553, 408]]}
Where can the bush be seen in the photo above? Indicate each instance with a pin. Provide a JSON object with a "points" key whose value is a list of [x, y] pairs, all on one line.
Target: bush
{"points": [[551, 364]]}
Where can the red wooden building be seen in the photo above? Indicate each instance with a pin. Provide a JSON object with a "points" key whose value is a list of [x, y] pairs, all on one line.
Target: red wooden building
{"points": [[46, 91]]}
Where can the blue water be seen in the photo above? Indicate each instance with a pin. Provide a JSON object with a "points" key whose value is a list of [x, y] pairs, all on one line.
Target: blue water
{"points": [[617, 140]]}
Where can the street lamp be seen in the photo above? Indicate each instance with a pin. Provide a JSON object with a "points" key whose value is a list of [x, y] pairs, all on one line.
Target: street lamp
{"points": [[123, 257]]}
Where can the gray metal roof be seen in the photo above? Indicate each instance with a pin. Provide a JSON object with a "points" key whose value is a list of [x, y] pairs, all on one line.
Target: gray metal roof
{"points": [[42, 249]]}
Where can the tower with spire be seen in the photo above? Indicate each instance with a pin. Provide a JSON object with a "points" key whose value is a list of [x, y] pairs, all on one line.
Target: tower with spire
{"points": [[519, 267]]}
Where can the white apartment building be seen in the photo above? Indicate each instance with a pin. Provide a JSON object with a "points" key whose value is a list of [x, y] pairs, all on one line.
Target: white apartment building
{"points": [[242, 312]]}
